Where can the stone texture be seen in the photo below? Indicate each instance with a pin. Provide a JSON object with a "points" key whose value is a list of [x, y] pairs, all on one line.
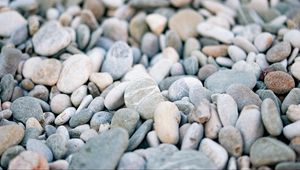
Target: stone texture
{"points": [[279, 82]]}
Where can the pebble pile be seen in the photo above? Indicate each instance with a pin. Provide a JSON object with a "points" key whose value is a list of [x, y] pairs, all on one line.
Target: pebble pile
{"points": [[149, 84]]}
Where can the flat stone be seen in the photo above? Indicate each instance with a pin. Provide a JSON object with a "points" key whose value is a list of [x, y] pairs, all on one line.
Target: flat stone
{"points": [[279, 82], [227, 109], [263, 94], [125, 118], [215, 50], [30, 66], [40, 92], [192, 137], [115, 97], [75, 72], [216, 32], [12, 21], [81, 117], [51, 38], [191, 65], [9, 61], [279, 52], [8, 139], [149, 4], [29, 160], [101, 152], [269, 151], [229, 77], [25, 107]]}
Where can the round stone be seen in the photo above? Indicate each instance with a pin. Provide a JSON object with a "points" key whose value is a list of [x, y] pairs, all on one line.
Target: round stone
{"points": [[263, 41], [216, 32], [115, 29], [279, 82], [57, 144], [102, 80], [12, 21], [40, 148], [180, 88], [150, 45], [125, 118], [8, 139], [231, 139], [59, 103], [9, 154], [279, 52], [292, 36], [236, 53]]}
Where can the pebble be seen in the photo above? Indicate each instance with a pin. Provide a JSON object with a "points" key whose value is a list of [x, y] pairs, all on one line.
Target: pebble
{"points": [[88, 134], [29, 160], [131, 160], [103, 151], [115, 29], [7, 85], [59, 103], [231, 139], [33, 123], [206, 71], [73, 145], [293, 113], [40, 92], [279, 82], [97, 104], [167, 118], [295, 70], [143, 95], [263, 41], [50, 39], [250, 125], [236, 53], [138, 26], [81, 117], [213, 125], [248, 66], [227, 109], [102, 80], [5, 114], [180, 88], [291, 98], [215, 50], [9, 154], [59, 165], [185, 28], [156, 22], [115, 97], [30, 65], [270, 151], [78, 95], [192, 137], [57, 143], [152, 139], [118, 61], [214, 152], [77, 70], [65, 116], [290, 131], [243, 96], [8, 139], [229, 77], [12, 21], [97, 56], [191, 65], [177, 69], [84, 103], [244, 44], [9, 61], [172, 39], [216, 32], [191, 44], [200, 113], [39, 147], [279, 52], [150, 44], [292, 36], [25, 107], [125, 118], [83, 35]]}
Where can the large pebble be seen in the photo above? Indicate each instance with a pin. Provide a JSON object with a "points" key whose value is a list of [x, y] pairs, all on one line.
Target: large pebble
{"points": [[12, 21], [29, 160], [293, 113], [115, 29], [231, 139], [81, 117], [8, 139], [143, 95], [180, 88], [270, 151], [101, 152], [102, 80], [279, 82], [192, 137], [118, 60], [216, 32], [75, 72], [125, 118], [295, 70], [229, 77], [51, 38], [138, 26], [156, 22], [167, 118], [263, 41], [7, 85], [236, 53], [279, 52], [227, 109], [292, 36], [290, 131], [78, 95], [213, 125]]}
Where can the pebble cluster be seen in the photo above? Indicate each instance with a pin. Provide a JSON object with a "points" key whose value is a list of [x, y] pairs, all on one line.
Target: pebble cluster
{"points": [[149, 84]]}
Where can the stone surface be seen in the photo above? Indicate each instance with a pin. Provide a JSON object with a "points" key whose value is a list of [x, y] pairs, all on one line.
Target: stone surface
{"points": [[115, 97], [292, 36], [8, 139], [192, 137], [150, 44], [131, 160], [57, 144], [125, 118], [115, 29], [293, 97], [29, 160], [9, 61], [12, 21], [279, 82], [290, 131], [7, 85], [156, 22], [295, 70], [236, 53], [81, 117]]}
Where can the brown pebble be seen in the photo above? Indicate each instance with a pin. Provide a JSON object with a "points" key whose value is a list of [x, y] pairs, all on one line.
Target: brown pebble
{"points": [[215, 50], [279, 82], [29, 160]]}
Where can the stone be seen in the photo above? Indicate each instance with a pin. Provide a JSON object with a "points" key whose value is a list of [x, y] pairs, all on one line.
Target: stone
{"points": [[290, 131], [96, 7], [167, 118], [180, 88], [236, 53], [213, 125], [9, 61], [12, 21], [40, 92], [287, 166], [191, 44], [75, 72], [82, 35], [295, 70], [215, 50], [245, 44], [143, 95], [293, 112], [59, 165], [150, 44], [88, 134], [149, 4], [291, 98], [279, 52], [206, 71], [33, 123], [138, 26], [25, 107], [263, 41], [115, 97], [97, 56], [57, 143], [102, 80], [28, 160], [249, 66], [156, 22], [279, 82], [180, 3], [131, 160], [59, 103], [229, 77], [103, 151], [191, 65], [39, 147], [9, 154], [65, 116], [271, 117], [292, 36], [227, 109], [177, 69], [172, 39], [231, 139], [81, 117], [8, 139], [243, 96], [214, 152], [115, 29], [250, 125], [118, 61], [216, 32], [30, 66], [51, 38], [269, 151], [185, 28], [7, 85], [125, 118], [192, 136], [78, 95]]}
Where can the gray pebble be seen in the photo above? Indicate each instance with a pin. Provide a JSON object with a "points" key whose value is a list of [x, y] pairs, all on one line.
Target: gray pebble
{"points": [[201, 113], [206, 71], [152, 139], [177, 69], [40, 92], [115, 29], [100, 118], [82, 35], [125, 118], [88, 134], [150, 45], [131, 160], [264, 94], [81, 117], [40, 148], [180, 88], [279, 52], [115, 97], [192, 137], [57, 144], [7, 85], [293, 97], [9, 154], [173, 40], [198, 93], [73, 145], [97, 104], [231, 139], [191, 65], [190, 45], [9, 61]]}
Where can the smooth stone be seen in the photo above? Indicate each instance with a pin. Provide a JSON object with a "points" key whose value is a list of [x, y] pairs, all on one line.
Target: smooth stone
{"points": [[30, 66], [250, 125], [213, 125], [59, 165], [293, 113], [215, 50], [288, 166], [295, 70], [59, 103], [180, 88], [30, 133], [156, 22], [118, 61], [78, 95], [292, 36], [97, 104], [115, 29], [243, 95], [8, 139], [100, 118], [227, 109], [9, 154], [25, 107], [65, 116], [101, 152], [177, 69], [57, 143], [149, 4], [279, 82], [50, 39], [231, 139], [201, 113], [12, 21], [191, 65], [85, 103], [290, 131], [40, 148], [192, 137], [28, 160], [172, 39], [131, 160], [185, 28], [149, 44], [7, 85], [249, 66], [279, 52], [167, 118], [269, 151], [125, 118], [184, 106], [263, 94], [190, 45], [73, 145], [115, 98], [102, 80], [9, 61], [33, 123], [245, 44], [138, 26], [152, 139], [263, 41], [271, 117], [47, 72], [63, 131], [143, 95], [166, 83], [88, 134], [97, 55], [216, 32], [97, 7], [293, 97], [236, 53], [5, 114], [81, 117], [206, 71], [229, 77], [214, 152], [40, 92], [139, 135], [82, 35]]}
